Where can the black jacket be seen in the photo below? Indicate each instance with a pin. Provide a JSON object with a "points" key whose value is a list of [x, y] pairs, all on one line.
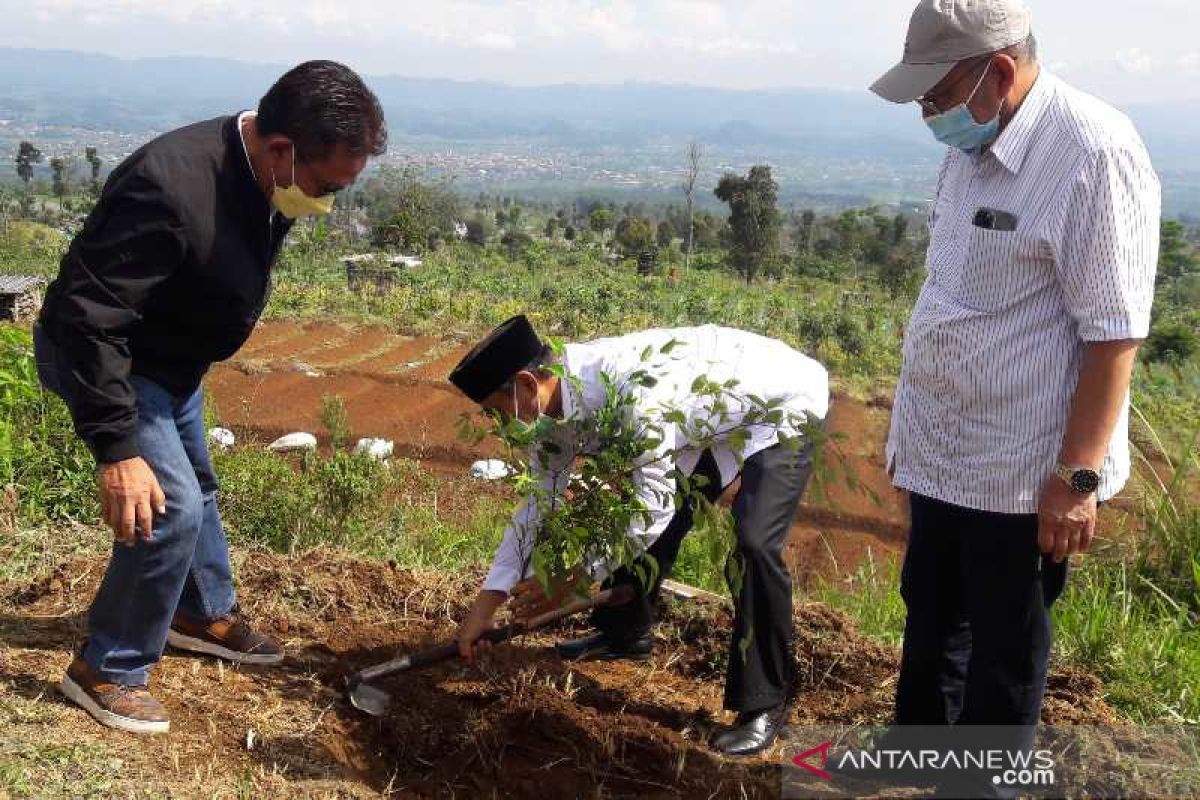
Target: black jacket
{"points": [[169, 274]]}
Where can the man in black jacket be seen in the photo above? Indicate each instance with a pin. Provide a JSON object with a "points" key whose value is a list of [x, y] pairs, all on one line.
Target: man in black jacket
{"points": [[169, 275]]}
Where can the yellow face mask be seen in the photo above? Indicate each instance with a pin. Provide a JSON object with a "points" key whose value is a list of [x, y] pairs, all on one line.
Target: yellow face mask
{"points": [[292, 202]]}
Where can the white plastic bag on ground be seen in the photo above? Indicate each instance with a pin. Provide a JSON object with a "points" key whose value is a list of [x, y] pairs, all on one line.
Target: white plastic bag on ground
{"points": [[378, 449], [293, 442], [221, 438], [492, 469]]}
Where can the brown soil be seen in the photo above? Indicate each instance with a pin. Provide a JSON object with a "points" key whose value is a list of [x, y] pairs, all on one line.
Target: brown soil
{"points": [[519, 724]]}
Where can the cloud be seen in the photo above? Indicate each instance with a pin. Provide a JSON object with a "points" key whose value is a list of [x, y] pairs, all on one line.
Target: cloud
{"points": [[621, 26], [734, 43], [1135, 61], [495, 40]]}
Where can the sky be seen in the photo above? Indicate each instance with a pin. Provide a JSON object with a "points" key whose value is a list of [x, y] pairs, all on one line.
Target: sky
{"points": [[1124, 51]]}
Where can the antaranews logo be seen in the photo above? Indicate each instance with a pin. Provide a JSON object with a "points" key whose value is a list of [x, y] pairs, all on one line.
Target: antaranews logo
{"points": [[1009, 768], [821, 751]]}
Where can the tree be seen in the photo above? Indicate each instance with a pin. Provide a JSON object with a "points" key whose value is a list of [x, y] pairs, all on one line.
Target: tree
{"points": [[695, 153], [805, 229], [552, 227], [706, 229], [665, 233], [480, 230], [600, 221], [27, 156], [900, 272], [634, 235], [515, 242], [1171, 342], [753, 219], [61, 168], [407, 212], [569, 233], [514, 217], [93, 160], [1175, 259]]}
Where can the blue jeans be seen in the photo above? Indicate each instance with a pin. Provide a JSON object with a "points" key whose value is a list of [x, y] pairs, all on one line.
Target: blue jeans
{"points": [[185, 565]]}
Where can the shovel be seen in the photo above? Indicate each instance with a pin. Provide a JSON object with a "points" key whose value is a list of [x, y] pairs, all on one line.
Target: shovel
{"points": [[374, 701]]}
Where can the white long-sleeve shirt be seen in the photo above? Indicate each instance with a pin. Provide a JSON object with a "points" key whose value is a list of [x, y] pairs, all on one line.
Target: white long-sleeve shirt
{"points": [[763, 367]]}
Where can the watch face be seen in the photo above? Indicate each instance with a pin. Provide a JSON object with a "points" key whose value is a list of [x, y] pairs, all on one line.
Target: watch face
{"points": [[1085, 481]]}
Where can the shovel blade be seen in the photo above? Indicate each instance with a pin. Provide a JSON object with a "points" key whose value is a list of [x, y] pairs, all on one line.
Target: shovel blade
{"points": [[370, 700]]}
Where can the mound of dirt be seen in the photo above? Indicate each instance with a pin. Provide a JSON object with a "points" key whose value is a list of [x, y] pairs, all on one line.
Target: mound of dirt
{"points": [[520, 723]]}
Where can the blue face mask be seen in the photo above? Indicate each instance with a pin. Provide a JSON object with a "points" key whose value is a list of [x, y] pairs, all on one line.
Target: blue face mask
{"points": [[958, 128]]}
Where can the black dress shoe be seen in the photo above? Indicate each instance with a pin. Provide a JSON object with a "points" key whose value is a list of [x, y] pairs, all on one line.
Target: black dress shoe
{"points": [[752, 732], [598, 647]]}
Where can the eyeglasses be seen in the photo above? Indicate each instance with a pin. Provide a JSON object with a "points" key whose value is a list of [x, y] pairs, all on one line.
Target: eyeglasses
{"points": [[932, 107]]}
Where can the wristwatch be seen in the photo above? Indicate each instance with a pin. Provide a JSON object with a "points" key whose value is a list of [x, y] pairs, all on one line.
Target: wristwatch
{"points": [[1080, 479]]}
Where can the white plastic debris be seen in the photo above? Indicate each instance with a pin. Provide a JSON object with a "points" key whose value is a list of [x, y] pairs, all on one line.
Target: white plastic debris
{"points": [[492, 469], [293, 442], [378, 449], [407, 262], [307, 370], [221, 438]]}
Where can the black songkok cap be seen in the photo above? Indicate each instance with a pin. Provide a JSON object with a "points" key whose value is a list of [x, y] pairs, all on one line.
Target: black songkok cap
{"points": [[494, 361]]}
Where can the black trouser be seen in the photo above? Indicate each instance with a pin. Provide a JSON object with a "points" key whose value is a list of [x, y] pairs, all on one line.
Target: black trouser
{"points": [[977, 637], [773, 481]]}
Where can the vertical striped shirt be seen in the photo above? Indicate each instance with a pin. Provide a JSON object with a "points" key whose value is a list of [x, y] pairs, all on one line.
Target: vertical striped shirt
{"points": [[993, 349]]}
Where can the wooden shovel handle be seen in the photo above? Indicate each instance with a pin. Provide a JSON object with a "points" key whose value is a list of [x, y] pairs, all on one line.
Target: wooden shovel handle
{"points": [[618, 595]]}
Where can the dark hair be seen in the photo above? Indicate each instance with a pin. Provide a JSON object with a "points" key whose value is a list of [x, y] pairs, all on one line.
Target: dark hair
{"points": [[320, 104]]}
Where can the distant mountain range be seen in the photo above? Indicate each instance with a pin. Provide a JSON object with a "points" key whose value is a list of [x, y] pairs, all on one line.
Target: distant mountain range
{"points": [[95, 91], [102, 93]]}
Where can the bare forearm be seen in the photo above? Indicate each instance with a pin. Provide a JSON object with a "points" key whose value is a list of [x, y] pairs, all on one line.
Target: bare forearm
{"points": [[1104, 378]]}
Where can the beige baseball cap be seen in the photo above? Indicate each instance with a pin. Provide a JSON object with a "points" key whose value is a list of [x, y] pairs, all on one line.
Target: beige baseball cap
{"points": [[943, 33]]}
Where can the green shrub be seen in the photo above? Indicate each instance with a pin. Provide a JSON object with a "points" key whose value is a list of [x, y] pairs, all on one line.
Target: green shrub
{"points": [[49, 468], [265, 501]]}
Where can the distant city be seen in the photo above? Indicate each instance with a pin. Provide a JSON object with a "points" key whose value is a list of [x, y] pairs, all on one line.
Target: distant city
{"points": [[827, 149]]}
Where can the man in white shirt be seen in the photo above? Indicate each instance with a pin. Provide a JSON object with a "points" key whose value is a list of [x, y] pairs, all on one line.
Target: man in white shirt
{"points": [[508, 373], [1010, 418]]}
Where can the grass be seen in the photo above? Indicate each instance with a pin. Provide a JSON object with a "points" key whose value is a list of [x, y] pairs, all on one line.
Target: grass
{"points": [[575, 293], [871, 597], [29, 769], [48, 469]]}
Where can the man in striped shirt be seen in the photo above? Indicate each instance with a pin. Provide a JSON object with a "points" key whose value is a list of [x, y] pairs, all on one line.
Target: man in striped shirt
{"points": [[1010, 419]]}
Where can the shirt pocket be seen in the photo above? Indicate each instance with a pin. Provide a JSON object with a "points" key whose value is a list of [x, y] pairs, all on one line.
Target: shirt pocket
{"points": [[999, 269]]}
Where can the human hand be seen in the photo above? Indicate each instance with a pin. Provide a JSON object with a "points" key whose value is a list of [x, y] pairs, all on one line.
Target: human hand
{"points": [[479, 620], [130, 496], [1066, 519]]}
